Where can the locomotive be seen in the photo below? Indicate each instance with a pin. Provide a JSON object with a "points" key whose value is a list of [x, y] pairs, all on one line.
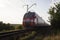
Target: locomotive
{"points": [[32, 20]]}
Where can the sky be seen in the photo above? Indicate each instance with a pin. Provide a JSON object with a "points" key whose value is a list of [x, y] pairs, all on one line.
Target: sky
{"points": [[12, 11]]}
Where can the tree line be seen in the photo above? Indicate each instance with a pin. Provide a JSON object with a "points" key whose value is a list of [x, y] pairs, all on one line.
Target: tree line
{"points": [[4, 26]]}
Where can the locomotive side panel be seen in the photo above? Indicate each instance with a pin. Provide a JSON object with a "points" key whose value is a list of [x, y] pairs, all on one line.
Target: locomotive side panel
{"points": [[39, 20]]}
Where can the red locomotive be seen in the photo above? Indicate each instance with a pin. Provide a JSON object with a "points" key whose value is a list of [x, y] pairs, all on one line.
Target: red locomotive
{"points": [[32, 20]]}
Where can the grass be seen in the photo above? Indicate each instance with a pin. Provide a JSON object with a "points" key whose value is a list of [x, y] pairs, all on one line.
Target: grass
{"points": [[53, 37], [28, 35]]}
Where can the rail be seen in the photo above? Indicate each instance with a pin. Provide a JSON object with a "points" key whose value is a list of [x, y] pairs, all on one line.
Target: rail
{"points": [[14, 34]]}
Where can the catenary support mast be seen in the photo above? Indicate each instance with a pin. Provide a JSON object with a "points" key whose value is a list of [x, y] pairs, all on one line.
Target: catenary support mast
{"points": [[30, 6]]}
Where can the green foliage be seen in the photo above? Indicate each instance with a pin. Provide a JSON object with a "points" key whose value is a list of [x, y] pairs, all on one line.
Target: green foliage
{"points": [[20, 27], [28, 35], [4, 26], [55, 16]]}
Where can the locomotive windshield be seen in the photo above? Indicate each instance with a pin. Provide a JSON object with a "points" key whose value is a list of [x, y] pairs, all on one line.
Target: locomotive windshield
{"points": [[29, 15]]}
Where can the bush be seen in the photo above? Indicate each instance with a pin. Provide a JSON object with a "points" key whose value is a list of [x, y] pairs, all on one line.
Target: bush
{"points": [[20, 27]]}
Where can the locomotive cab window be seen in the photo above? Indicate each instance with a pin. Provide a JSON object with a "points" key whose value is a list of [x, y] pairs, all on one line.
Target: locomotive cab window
{"points": [[29, 15]]}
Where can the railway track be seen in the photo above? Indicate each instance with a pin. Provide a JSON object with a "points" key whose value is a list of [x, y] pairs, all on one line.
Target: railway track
{"points": [[12, 34]]}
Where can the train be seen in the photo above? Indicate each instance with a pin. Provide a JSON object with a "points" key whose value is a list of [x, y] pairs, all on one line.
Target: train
{"points": [[33, 20]]}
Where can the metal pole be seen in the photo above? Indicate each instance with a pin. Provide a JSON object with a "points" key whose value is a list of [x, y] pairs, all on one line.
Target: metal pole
{"points": [[27, 8], [30, 6]]}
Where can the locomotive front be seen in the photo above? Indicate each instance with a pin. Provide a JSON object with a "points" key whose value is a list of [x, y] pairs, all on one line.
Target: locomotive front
{"points": [[28, 19]]}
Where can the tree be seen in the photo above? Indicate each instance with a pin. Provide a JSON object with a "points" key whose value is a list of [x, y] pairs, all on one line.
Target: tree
{"points": [[55, 16], [4, 26]]}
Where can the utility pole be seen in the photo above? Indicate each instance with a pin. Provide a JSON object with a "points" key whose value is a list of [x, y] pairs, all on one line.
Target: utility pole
{"points": [[30, 6]]}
